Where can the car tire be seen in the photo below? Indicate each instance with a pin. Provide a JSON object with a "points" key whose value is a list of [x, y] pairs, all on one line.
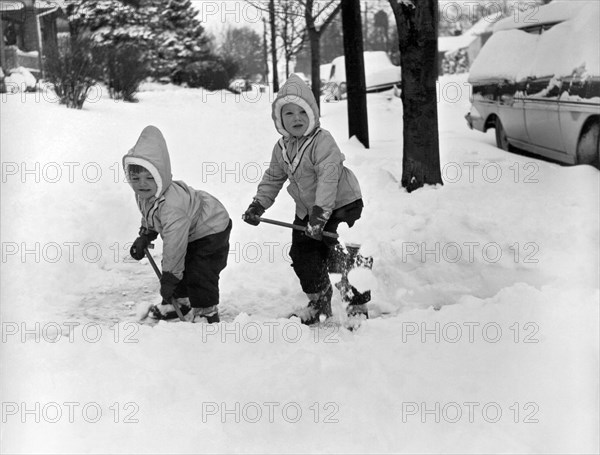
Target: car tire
{"points": [[588, 144], [501, 137]]}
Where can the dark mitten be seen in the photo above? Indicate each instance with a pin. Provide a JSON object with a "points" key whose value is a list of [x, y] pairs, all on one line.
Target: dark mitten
{"points": [[138, 248], [316, 223], [146, 237], [253, 213], [168, 283]]}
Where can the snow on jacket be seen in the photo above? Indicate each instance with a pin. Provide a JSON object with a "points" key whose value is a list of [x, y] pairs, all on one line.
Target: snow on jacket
{"points": [[177, 211], [315, 171]]}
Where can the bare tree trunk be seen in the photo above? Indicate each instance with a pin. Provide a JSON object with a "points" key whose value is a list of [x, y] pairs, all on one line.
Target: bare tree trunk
{"points": [[265, 52], [315, 64], [314, 38], [273, 46], [417, 33], [358, 124]]}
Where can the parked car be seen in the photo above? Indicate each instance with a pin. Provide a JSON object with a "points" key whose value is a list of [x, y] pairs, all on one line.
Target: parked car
{"points": [[304, 77], [324, 72], [240, 85], [380, 75], [537, 82]]}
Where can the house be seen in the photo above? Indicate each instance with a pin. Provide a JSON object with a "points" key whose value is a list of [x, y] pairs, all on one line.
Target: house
{"points": [[456, 53], [27, 28]]}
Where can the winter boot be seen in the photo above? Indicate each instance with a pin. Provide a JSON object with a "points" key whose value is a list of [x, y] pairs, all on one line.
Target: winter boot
{"points": [[318, 308], [208, 315], [166, 311], [357, 310]]}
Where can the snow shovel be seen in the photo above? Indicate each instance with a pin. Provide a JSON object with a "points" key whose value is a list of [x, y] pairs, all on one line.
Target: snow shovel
{"points": [[159, 275], [297, 227]]}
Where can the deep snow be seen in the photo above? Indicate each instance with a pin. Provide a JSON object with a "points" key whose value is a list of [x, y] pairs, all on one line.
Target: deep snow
{"points": [[486, 290]]}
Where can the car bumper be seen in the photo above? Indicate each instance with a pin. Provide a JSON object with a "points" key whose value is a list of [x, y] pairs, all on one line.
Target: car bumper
{"points": [[475, 120]]}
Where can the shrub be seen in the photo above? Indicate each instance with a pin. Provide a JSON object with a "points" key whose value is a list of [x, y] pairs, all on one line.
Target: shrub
{"points": [[209, 74], [124, 69], [71, 70]]}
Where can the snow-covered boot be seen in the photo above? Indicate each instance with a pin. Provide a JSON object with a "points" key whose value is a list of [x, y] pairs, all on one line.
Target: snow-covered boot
{"points": [[166, 311], [357, 310], [318, 308], [208, 315]]}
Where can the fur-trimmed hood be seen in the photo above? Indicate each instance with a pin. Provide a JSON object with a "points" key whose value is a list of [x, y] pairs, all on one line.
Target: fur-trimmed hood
{"points": [[150, 151], [296, 91]]}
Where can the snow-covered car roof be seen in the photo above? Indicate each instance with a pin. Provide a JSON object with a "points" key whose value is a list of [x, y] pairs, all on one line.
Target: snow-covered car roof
{"points": [[40, 5], [379, 70], [552, 13], [570, 47]]}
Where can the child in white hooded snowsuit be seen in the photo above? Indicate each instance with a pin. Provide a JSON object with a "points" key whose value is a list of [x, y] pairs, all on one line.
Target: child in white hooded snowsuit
{"points": [[193, 225], [326, 193]]}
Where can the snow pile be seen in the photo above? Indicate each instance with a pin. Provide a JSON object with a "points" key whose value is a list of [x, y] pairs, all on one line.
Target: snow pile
{"points": [[484, 336], [19, 79], [568, 48], [552, 13], [506, 56]]}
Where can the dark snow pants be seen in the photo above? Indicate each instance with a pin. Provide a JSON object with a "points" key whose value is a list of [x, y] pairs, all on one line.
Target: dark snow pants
{"points": [[311, 259], [204, 260]]}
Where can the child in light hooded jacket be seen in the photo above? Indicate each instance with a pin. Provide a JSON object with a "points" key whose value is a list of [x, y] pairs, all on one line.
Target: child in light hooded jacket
{"points": [[326, 193], [193, 225]]}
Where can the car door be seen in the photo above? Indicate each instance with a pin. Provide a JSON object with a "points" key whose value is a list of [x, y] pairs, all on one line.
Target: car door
{"points": [[542, 121], [511, 112]]}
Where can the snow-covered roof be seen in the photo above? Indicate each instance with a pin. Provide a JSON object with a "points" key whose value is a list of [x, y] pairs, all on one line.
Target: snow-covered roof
{"points": [[569, 47], [454, 43], [16, 5], [556, 11]]}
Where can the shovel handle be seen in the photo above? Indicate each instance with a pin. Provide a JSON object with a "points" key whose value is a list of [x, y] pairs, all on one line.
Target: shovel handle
{"points": [[159, 275], [297, 227]]}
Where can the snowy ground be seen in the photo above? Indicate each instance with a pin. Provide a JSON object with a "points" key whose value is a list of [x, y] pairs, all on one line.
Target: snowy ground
{"points": [[485, 294]]}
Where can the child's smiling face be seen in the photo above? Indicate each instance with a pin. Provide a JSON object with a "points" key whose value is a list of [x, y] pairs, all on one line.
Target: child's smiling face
{"points": [[143, 184], [294, 119]]}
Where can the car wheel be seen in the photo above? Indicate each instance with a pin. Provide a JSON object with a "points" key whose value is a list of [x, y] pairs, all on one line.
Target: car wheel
{"points": [[501, 137], [587, 147]]}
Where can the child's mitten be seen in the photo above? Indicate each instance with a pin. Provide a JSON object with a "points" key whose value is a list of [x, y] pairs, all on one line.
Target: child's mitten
{"points": [[141, 243], [168, 283], [316, 223], [253, 213]]}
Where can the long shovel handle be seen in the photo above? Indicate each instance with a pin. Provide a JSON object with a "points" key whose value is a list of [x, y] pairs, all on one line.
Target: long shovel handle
{"points": [[159, 275], [296, 227]]}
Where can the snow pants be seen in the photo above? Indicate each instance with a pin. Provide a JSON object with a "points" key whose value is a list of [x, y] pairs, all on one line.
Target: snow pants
{"points": [[312, 259], [204, 260]]}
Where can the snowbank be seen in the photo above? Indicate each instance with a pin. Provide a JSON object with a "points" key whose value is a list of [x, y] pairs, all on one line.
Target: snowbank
{"points": [[484, 336]]}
